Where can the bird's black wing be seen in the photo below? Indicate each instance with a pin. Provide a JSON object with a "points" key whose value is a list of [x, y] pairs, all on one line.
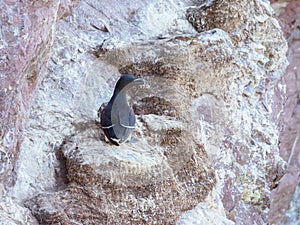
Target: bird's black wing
{"points": [[107, 125], [106, 117]]}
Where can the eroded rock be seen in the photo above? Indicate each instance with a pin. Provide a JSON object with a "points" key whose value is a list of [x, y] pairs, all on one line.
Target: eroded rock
{"points": [[284, 207], [14, 214], [206, 141], [24, 54]]}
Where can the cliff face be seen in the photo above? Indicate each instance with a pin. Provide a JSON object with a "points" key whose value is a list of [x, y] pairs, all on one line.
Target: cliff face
{"points": [[207, 130], [285, 204], [27, 35]]}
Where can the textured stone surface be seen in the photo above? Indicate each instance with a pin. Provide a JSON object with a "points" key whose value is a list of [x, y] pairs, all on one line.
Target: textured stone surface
{"points": [[27, 32], [284, 202], [14, 214], [207, 142], [292, 215]]}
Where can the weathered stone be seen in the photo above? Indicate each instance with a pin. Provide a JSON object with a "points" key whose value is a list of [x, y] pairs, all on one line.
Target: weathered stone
{"points": [[284, 208], [292, 215], [101, 194], [14, 214], [27, 32], [230, 16], [207, 144]]}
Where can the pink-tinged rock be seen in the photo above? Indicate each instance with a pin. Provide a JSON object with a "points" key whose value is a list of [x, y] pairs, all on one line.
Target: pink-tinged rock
{"points": [[284, 205], [282, 196], [27, 33], [207, 150]]}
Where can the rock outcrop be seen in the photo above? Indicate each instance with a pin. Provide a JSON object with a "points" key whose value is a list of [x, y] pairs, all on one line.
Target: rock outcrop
{"points": [[27, 34], [207, 138], [285, 198]]}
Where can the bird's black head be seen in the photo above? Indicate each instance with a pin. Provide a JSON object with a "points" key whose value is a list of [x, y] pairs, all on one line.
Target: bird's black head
{"points": [[127, 81]]}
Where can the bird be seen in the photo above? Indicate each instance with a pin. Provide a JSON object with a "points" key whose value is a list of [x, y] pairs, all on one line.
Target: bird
{"points": [[118, 118]]}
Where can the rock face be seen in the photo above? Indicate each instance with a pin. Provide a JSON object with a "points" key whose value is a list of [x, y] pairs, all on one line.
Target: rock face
{"points": [[207, 141], [285, 198], [24, 54]]}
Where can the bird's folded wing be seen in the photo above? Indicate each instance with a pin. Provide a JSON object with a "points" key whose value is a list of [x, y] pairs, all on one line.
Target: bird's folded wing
{"points": [[106, 121], [127, 118]]}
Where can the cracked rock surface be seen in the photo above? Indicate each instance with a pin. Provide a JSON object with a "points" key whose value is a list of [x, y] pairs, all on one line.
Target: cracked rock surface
{"points": [[206, 141]]}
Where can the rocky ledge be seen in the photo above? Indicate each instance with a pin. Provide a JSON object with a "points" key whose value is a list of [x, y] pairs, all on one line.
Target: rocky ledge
{"points": [[206, 142]]}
